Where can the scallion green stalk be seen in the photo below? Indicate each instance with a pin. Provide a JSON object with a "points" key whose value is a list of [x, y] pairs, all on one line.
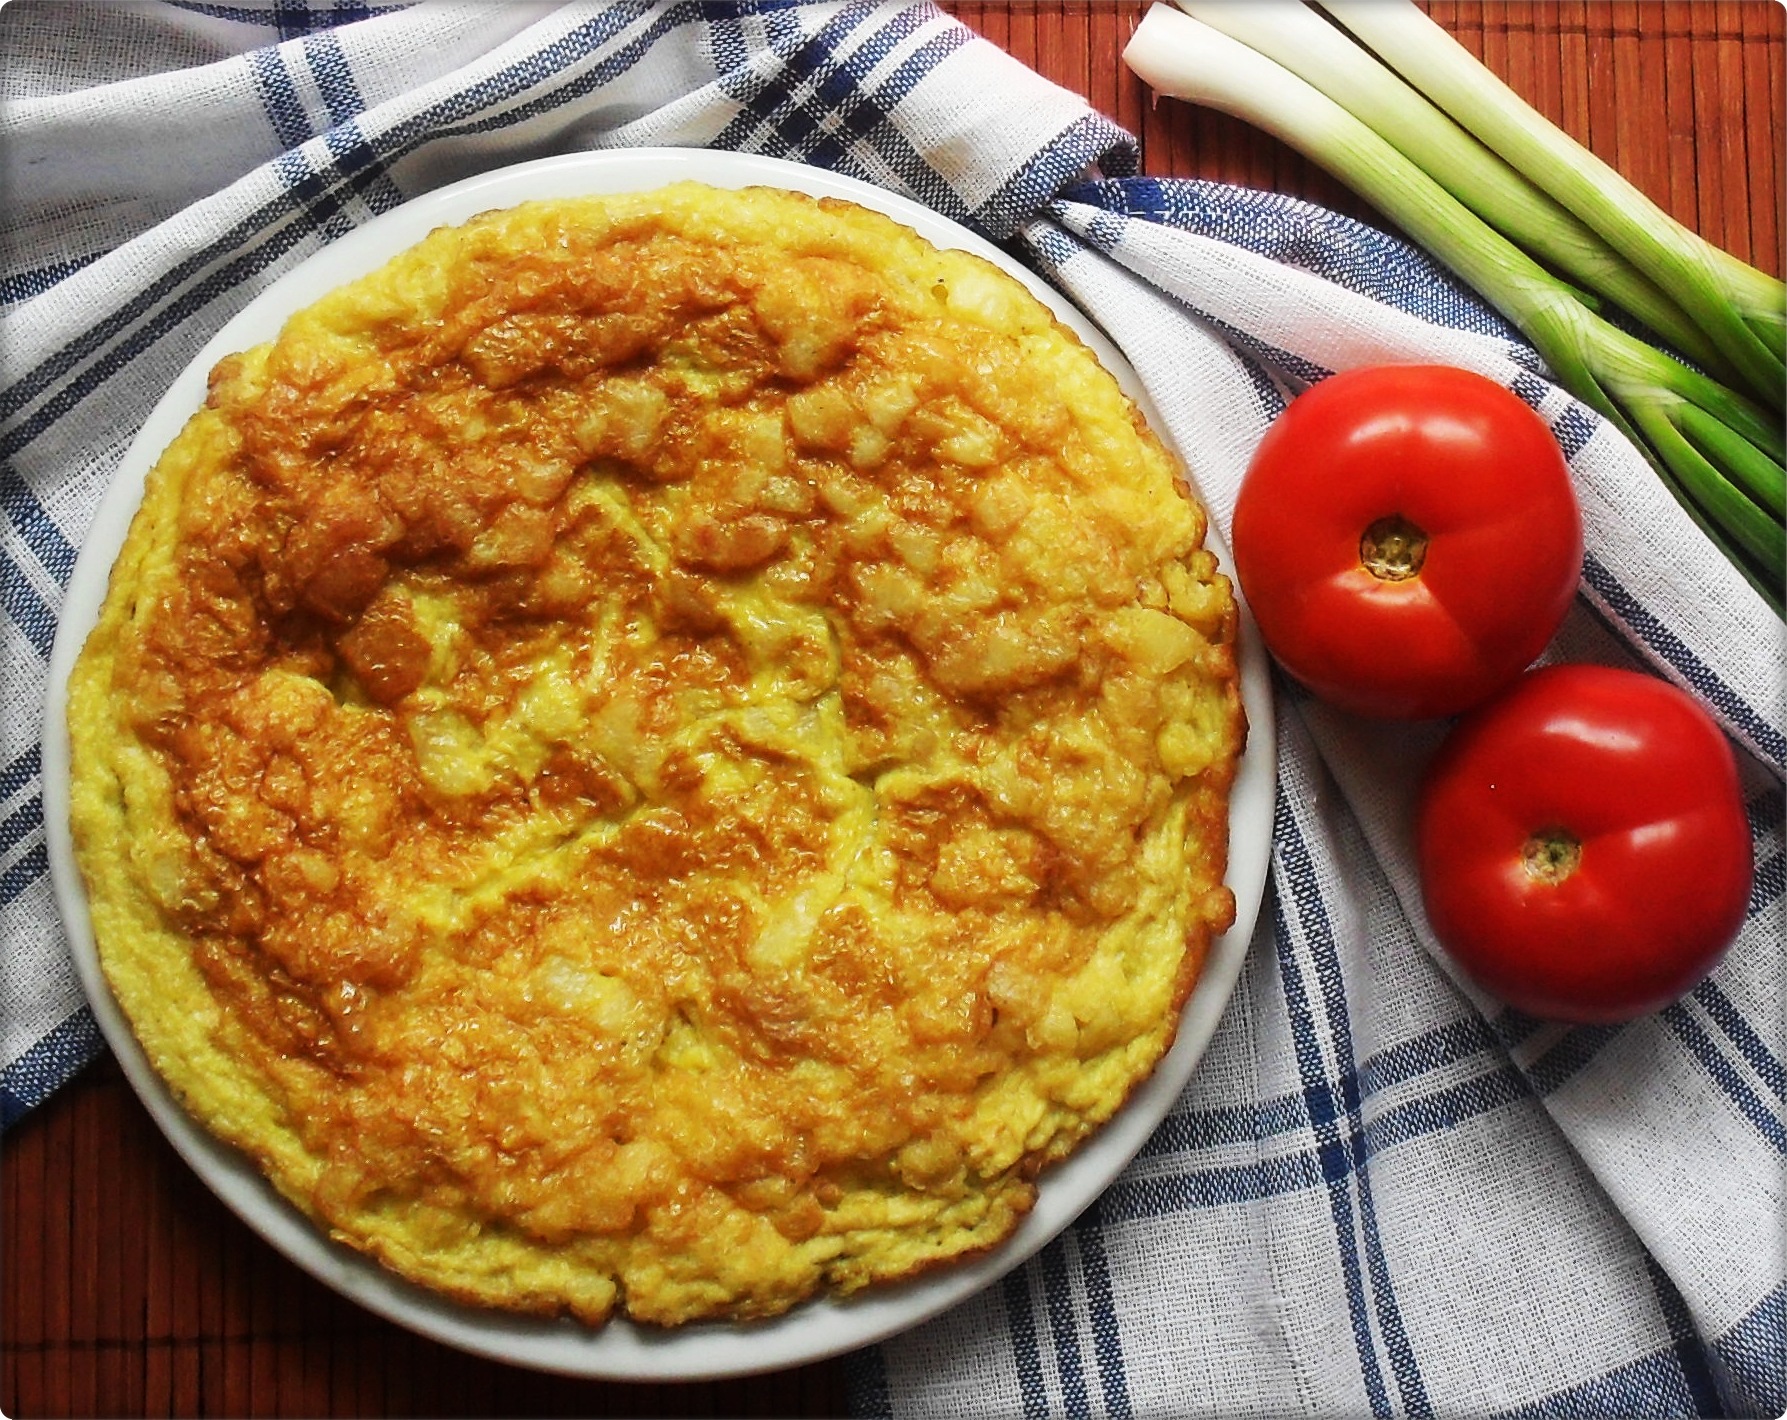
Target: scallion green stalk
{"points": [[1294, 35], [1739, 308], [1642, 391]]}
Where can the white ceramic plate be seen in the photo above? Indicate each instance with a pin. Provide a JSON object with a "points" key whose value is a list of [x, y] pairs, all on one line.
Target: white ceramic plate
{"points": [[621, 1351]]}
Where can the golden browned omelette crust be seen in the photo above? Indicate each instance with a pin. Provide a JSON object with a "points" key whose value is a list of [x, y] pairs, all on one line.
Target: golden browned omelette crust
{"points": [[662, 752]]}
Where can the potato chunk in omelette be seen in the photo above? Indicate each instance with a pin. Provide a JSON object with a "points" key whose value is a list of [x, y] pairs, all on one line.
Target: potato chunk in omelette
{"points": [[660, 754]]}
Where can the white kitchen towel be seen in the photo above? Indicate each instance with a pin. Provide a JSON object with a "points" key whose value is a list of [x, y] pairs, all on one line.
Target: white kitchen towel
{"points": [[1381, 1193]]}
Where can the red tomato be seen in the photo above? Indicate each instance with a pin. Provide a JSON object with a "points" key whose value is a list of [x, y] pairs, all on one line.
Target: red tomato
{"points": [[1584, 853], [1408, 539]]}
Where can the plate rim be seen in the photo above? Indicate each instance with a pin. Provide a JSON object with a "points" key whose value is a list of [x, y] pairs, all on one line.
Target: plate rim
{"points": [[623, 1350]]}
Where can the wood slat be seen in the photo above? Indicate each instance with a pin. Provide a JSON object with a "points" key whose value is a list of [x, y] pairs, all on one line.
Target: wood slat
{"points": [[1761, 86], [1677, 89], [127, 1289]]}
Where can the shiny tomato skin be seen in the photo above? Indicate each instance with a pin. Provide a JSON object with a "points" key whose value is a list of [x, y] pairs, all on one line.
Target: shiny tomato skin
{"points": [[1470, 465], [1643, 778]]}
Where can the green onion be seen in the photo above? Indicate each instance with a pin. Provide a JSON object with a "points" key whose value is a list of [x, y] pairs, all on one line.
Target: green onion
{"points": [[1718, 451], [1719, 291], [1298, 38]]}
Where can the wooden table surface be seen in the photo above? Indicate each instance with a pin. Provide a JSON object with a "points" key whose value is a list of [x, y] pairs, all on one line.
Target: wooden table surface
{"points": [[128, 1290]]}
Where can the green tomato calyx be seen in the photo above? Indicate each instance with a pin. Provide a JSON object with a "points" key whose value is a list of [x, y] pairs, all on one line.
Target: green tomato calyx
{"points": [[1551, 855], [1393, 549]]}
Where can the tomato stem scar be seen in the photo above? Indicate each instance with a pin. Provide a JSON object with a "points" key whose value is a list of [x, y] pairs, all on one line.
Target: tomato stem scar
{"points": [[1392, 549], [1551, 855]]}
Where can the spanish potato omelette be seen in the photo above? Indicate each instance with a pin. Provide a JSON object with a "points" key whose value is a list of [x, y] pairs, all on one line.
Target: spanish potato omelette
{"points": [[661, 752]]}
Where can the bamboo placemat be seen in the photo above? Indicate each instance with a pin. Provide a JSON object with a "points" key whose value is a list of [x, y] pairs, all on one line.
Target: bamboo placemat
{"points": [[128, 1289]]}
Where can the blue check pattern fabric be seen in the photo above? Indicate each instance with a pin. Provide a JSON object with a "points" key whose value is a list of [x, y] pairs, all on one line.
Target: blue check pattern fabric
{"points": [[1381, 1193]]}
